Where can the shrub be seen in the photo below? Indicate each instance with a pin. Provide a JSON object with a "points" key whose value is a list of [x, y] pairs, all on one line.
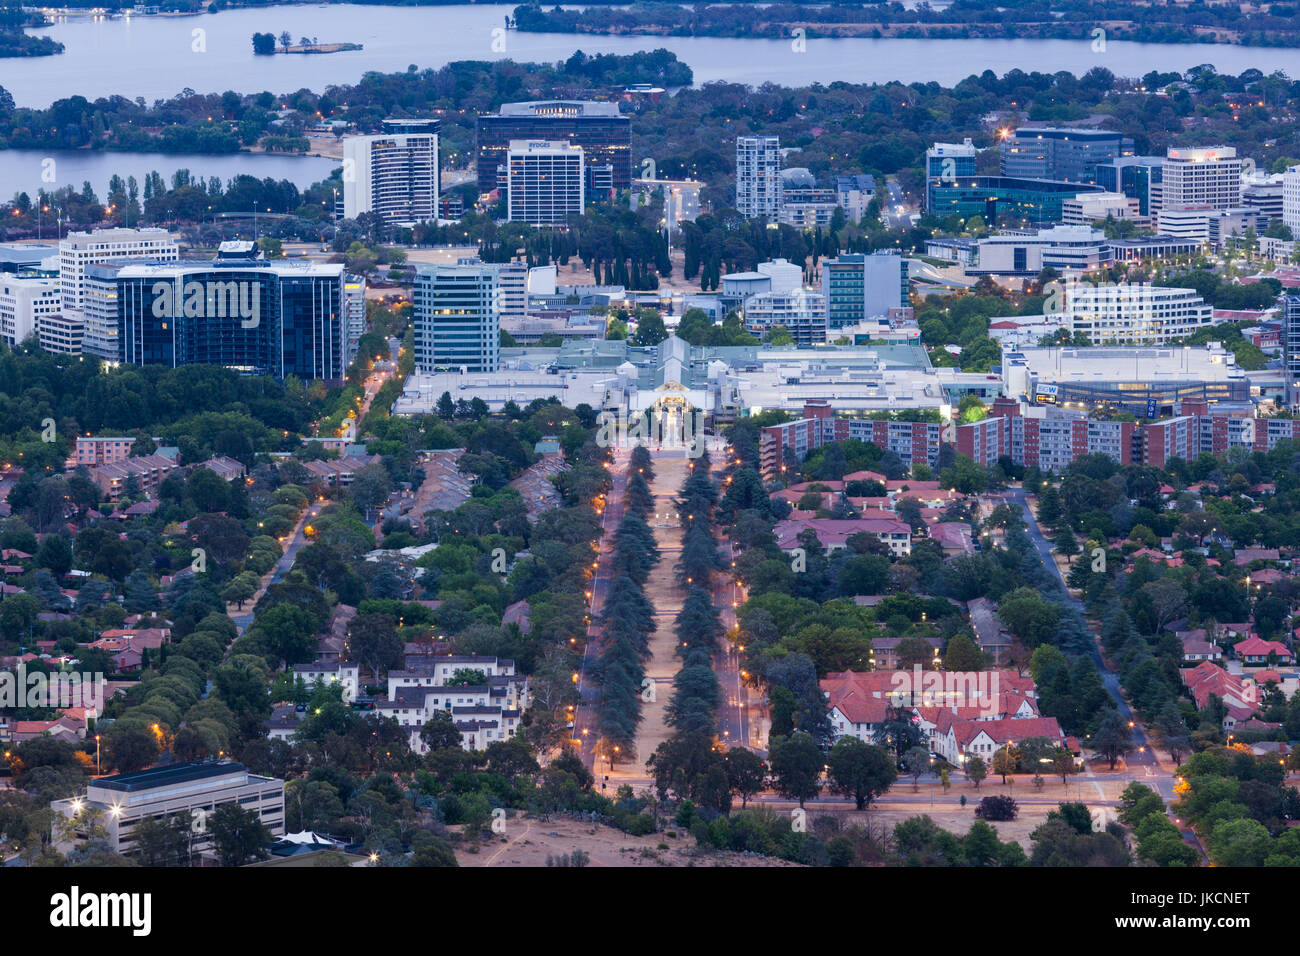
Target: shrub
{"points": [[997, 808]]}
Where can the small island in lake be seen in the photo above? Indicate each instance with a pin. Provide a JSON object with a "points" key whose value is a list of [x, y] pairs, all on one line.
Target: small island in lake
{"points": [[266, 44]]}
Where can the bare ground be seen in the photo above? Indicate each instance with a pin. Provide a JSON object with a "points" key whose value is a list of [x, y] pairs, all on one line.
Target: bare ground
{"points": [[528, 842]]}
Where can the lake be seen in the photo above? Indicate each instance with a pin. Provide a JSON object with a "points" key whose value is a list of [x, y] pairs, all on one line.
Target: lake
{"points": [[26, 169], [157, 57]]}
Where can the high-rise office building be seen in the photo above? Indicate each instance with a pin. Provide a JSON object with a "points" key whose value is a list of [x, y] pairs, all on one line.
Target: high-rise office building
{"points": [[544, 182], [1208, 177], [1291, 347], [393, 174], [1048, 152], [253, 315], [457, 318], [604, 134], [860, 287], [758, 176], [1137, 177], [945, 162], [78, 251]]}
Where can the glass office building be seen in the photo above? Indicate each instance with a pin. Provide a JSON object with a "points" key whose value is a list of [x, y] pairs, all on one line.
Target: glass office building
{"points": [[254, 316], [457, 316], [999, 198], [1048, 152], [604, 134]]}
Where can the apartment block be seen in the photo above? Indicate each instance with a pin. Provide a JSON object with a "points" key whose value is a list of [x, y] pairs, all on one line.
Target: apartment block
{"points": [[799, 312], [393, 174], [913, 442], [102, 450], [758, 176], [1132, 313], [1055, 440], [197, 787]]}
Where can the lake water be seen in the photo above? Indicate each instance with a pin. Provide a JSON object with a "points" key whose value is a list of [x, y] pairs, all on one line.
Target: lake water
{"points": [[157, 57], [27, 169]]}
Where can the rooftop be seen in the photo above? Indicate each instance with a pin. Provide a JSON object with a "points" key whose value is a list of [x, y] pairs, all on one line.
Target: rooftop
{"points": [[167, 776]]}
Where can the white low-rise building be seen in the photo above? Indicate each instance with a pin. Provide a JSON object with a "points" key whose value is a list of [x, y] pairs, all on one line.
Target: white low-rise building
{"points": [[1133, 313], [484, 712], [24, 303], [344, 673]]}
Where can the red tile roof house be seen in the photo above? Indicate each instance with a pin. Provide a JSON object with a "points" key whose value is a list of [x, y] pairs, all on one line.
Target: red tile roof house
{"points": [[139, 638], [1255, 651], [517, 613], [833, 533], [63, 728], [1268, 576], [1243, 556], [1206, 678], [953, 536], [982, 738], [128, 660]]}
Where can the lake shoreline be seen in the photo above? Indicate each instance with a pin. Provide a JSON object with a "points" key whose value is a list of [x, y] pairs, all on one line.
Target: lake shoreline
{"points": [[152, 57]]}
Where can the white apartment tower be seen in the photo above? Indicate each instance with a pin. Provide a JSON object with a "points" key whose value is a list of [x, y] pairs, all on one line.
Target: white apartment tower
{"points": [[354, 313], [78, 251], [1208, 176], [393, 174], [545, 182], [758, 176], [1291, 199]]}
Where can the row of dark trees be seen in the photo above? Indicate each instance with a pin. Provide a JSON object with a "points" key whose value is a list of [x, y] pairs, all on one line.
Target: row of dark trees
{"points": [[628, 618], [696, 692]]}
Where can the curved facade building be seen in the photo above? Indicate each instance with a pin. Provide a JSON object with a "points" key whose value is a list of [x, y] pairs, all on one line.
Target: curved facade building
{"points": [[254, 316]]}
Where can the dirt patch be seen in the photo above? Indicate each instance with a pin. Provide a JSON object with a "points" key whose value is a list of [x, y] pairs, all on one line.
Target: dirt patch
{"points": [[528, 842]]}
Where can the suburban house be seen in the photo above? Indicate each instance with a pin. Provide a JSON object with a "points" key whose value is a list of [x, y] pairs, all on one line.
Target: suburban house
{"points": [[1198, 647], [833, 533], [953, 536], [1257, 652], [982, 738], [991, 636]]}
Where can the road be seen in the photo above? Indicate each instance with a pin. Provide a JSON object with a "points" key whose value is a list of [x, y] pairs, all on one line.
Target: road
{"points": [[740, 717], [1143, 756], [244, 618], [584, 722], [893, 207]]}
